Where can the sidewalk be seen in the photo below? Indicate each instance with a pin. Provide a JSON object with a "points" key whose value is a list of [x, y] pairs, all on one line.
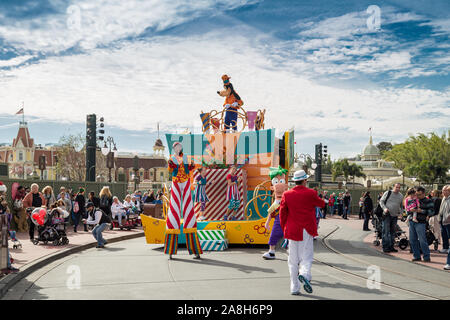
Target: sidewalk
{"points": [[29, 252], [438, 260]]}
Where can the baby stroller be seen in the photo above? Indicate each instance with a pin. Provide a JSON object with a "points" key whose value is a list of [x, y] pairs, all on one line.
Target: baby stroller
{"points": [[15, 241], [51, 229], [401, 240]]}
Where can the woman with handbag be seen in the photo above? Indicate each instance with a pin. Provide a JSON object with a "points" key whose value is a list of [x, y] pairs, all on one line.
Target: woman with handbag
{"points": [[19, 214]]}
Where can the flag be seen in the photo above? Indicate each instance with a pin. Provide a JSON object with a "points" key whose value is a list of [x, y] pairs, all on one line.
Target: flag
{"points": [[20, 111]]}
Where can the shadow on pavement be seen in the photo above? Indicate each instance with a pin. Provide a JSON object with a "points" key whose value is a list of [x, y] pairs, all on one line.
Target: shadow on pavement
{"points": [[346, 287], [24, 290], [241, 267]]}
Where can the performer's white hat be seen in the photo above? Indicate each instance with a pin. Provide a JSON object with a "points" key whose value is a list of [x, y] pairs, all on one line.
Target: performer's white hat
{"points": [[300, 175], [3, 188]]}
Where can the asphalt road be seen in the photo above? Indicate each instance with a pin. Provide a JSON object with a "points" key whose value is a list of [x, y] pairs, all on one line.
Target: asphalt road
{"points": [[344, 268]]}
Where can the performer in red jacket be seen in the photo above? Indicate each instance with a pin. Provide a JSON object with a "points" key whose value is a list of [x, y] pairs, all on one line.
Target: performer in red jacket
{"points": [[298, 222]]}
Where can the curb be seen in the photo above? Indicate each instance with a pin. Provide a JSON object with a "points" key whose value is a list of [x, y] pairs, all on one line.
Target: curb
{"points": [[10, 280]]}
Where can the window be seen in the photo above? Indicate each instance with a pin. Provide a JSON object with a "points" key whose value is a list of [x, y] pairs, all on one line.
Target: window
{"points": [[20, 156]]}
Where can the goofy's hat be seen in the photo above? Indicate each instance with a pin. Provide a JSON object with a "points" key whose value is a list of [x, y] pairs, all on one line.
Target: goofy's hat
{"points": [[226, 79]]}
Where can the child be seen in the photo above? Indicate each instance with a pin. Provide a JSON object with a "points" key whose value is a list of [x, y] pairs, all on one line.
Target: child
{"points": [[200, 192], [412, 204]]}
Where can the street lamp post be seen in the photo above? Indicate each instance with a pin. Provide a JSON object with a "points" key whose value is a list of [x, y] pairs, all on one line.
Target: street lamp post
{"points": [[400, 172], [110, 154], [135, 169]]}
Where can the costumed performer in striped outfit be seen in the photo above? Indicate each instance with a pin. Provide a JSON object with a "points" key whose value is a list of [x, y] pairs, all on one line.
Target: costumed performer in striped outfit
{"points": [[181, 199]]}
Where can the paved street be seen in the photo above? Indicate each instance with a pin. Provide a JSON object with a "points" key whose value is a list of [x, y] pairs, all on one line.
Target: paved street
{"points": [[134, 270]]}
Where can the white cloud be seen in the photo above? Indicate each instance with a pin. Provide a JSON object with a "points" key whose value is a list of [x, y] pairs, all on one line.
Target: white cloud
{"points": [[15, 61], [91, 23], [170, 80]]}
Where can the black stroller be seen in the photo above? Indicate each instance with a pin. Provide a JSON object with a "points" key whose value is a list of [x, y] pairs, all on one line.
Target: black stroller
{"points": [[53, 230], [401, 240]]}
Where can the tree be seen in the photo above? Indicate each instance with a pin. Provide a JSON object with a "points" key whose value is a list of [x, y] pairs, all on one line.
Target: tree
{"points": [[344, 168], [384, 146], [426, 157], [327, 165], [72, 158]]}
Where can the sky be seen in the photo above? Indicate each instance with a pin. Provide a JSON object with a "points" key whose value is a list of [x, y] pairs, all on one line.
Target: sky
{"points": [[329, 69]]}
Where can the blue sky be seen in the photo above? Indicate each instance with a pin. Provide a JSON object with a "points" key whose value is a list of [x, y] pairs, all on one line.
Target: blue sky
{"points": [[322, 67]]}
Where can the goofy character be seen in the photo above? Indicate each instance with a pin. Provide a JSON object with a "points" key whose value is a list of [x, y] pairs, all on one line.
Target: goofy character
{"points": [[181, 201], [232, 104], [279, 186]]}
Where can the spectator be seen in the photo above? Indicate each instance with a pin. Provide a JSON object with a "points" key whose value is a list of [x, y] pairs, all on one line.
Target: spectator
{"points": [[417, 230], [391, 203], [367, 209], [144, 197], [444, 234], [100, 220], [49, 196], [19, 214], [80, 201], [151, 197], [106, 200], [136, 203], [444, 218], [118, 210], [326, 198], [4, 210], [347, 203], [434, 220], [66, 192], [361, 205], [128, 204], [34, 199], [66, 200], [332, 203], [340, 203], [95, 200]]}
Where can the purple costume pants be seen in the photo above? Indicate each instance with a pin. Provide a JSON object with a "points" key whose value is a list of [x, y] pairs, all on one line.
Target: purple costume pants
{"points": [[277, 232]]}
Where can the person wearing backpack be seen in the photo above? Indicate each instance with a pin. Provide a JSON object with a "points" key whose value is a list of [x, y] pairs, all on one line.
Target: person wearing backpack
{"points": [[79, 210], [391, 203], [100, 220], [106, 200]]}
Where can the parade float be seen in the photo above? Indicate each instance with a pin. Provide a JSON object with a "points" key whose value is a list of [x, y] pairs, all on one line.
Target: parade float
{"points": [[252, 150]]}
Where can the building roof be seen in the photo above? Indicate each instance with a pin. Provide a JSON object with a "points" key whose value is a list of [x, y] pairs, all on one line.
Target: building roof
{"points": [[370, 149], [127, 162], [23, 135], [158, 143]]}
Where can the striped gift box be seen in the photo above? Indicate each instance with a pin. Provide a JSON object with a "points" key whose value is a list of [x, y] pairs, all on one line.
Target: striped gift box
{"points": [[211, 235], [217, 194], [214, 245]]}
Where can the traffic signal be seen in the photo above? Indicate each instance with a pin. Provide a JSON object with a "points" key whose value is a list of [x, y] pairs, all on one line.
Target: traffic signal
{"points": [[318, 155], [101, 131], [91, 146], [325, 152]]}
